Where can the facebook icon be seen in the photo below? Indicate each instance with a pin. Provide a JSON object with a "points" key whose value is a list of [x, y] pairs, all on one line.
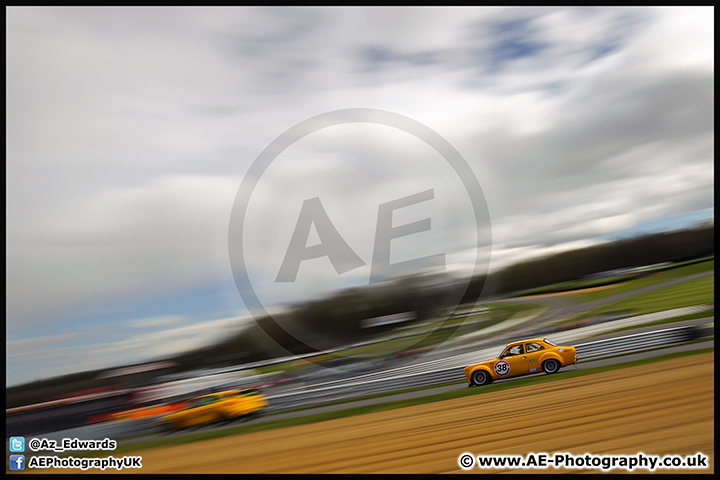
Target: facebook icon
{"points": [[17, 462]]}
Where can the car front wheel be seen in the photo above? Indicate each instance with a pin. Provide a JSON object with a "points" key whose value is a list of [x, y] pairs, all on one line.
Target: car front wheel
{"points": [[480, 378], [551, 366]]}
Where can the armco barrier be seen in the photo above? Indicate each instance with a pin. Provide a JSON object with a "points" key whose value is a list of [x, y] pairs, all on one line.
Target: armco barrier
{"points": [[631, 343], [586, 351]]}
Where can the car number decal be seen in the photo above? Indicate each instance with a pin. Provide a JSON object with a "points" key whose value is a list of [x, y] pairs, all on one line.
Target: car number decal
{"points": [[502, 368]]}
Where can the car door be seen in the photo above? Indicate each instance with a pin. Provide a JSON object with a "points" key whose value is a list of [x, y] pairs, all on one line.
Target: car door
{"points": [[204, 412], [533, 351], [516, 361], [246, 403], [188, 417]]}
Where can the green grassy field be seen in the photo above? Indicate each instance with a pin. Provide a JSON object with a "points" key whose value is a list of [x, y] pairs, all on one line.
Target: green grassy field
{"points": [[624, 282], [569, 286], [647, 281], [699, 291]]}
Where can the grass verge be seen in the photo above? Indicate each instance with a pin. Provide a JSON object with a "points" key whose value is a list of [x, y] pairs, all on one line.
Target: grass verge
{"points": [[649, 280]]}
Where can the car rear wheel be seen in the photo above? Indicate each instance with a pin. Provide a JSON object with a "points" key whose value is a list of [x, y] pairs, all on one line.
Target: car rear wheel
{"points": [[550, 366], [480, 377]]}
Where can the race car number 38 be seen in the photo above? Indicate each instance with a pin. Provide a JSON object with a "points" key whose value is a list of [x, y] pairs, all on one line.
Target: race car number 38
{"points": [[502, 368]]}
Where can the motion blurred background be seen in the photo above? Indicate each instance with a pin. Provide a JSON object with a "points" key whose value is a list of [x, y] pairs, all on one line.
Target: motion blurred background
{"points": [[130, 130]]}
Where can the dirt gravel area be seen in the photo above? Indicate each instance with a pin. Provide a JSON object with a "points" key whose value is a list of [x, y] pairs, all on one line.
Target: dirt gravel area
{"points": [[570, 292], [658, 409]]}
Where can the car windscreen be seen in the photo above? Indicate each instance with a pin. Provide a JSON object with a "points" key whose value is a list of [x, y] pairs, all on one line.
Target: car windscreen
{"points": [[201, 402], [549, 342]]}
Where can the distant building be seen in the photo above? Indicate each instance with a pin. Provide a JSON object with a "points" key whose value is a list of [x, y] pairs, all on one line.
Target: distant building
{"points": [[388, 319]]}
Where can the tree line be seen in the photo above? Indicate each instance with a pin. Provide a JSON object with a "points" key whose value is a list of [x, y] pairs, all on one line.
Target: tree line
{"points": [[338, 319]]}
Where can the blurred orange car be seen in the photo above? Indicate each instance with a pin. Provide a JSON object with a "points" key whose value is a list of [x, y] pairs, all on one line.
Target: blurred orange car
{"points": [[138, 412], [216, 407], [522, 358]]}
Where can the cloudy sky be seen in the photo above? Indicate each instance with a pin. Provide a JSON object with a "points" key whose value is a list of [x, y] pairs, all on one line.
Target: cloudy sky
{"points": [[131, 130]]}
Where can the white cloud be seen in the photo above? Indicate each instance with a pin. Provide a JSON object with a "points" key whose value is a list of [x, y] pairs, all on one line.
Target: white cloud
{"points": [[129, 131], [61, 354], [157, 322], [170, 233]]}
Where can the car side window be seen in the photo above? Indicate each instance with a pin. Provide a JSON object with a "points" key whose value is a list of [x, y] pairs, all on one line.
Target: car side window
{"points": [[206, 401], [514, 350], [533, 347]]}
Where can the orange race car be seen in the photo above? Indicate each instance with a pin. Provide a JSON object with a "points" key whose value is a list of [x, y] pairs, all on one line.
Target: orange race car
{"points": [[215, 407], [522, 358]]}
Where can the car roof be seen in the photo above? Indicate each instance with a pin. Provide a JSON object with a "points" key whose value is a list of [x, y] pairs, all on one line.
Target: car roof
{"points": [[225, 393], [526, 341], [228, 393]]}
